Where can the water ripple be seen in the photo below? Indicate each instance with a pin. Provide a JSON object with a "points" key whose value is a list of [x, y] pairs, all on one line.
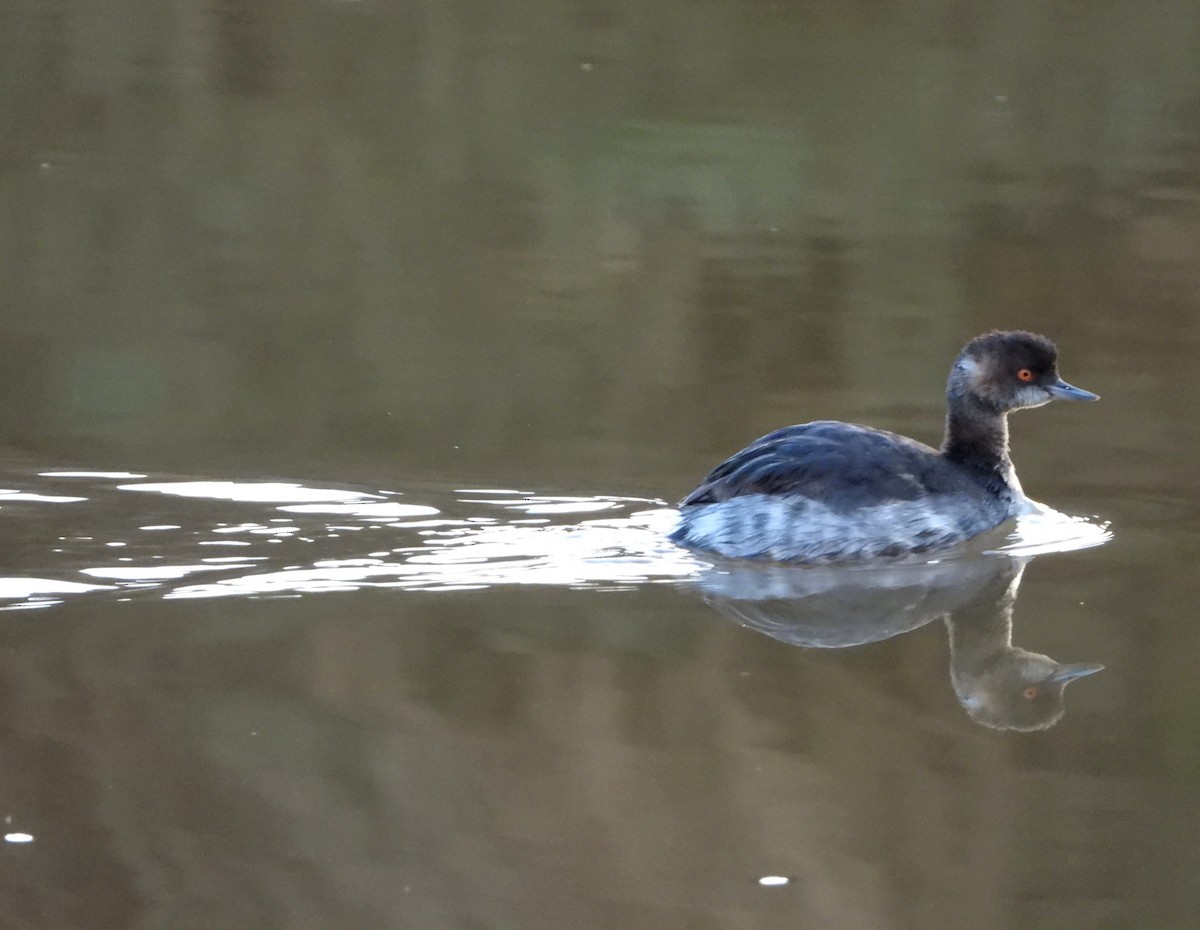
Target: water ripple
{"points": [[155, 537]]}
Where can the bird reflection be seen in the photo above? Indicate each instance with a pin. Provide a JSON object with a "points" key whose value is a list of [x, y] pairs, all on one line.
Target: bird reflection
{"points": [[1000, 685]]}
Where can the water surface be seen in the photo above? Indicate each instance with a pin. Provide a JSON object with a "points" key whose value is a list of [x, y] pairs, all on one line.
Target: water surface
{"points": [[352, 354]]}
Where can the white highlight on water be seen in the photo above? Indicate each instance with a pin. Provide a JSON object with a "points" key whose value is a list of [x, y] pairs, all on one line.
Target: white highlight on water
{"points": [[259, 492], [7, 495]]}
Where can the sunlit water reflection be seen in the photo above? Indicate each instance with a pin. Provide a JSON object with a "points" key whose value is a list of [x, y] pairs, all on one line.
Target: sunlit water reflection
{"points": [[120, 532]]}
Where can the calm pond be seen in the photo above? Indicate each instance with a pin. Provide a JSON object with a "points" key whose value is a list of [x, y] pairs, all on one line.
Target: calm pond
{"points": [[353, 355]]}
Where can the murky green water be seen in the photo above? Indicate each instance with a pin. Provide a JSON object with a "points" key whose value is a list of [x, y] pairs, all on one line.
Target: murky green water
{"points": [[351, 354]]}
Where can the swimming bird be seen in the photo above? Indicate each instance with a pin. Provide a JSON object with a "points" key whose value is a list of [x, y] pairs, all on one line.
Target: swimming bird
{"points": [[829, 491]]}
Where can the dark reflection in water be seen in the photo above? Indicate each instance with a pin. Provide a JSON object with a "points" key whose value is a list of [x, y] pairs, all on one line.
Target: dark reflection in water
{"points": [[1000, 685]]}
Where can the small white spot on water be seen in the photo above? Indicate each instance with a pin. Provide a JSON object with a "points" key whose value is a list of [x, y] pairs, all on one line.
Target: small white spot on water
{"points": [[774, 881], [90, 474], [18, 837]]}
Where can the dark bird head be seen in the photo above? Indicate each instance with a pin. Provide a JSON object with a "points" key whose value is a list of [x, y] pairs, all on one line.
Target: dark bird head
{"points": [[1005, 371]]}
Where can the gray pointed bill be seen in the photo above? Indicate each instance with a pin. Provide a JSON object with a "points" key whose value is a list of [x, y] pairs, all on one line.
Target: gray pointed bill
{"points": [[1066, 673], [1063, 391]]}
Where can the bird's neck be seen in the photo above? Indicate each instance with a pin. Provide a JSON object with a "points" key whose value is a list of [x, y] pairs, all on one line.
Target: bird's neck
{"points": [[977, 438]]}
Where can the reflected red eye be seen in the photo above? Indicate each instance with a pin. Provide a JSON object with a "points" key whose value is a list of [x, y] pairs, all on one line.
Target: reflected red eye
{"points": [[1025, 375], [1030, 693]]}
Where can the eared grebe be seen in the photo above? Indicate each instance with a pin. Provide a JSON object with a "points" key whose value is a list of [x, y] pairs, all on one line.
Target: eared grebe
{"points": [[828, 491]]}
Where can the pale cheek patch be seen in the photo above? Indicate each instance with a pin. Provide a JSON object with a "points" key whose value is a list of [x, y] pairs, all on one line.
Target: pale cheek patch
{"points": [[972, 373], [1032, 396]]}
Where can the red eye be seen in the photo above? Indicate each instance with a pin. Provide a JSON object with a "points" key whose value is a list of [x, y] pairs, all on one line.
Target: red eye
{"points": [[1025, 375], [1030, 693]]}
